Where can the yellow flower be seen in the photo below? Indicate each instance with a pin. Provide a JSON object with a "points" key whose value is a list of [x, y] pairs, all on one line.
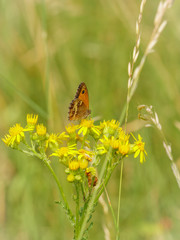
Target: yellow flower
{"points": [[71, 128], [86, 125], [63, 136], [138, 149], [121, 145], [16, 130], [70, 177], [85, 154], [109, 126], [83, 163], [15, 136], [105, 141], [55, 139], [102, 125], [7, 139], [101, 150], [66, 151], [74, 165], [124, 148], [41, 129], [31, 120], [122, 136], [114, 142], [113, 124]]}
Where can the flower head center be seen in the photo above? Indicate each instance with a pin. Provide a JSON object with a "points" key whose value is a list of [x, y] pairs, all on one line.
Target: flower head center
{"points": [[41, 129], [63, 151], [71, 128], [16, 130], [87, 123], [140, 146]]}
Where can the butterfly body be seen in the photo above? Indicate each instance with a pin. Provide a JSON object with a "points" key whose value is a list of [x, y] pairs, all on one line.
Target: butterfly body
{"points": [[79, 107]]}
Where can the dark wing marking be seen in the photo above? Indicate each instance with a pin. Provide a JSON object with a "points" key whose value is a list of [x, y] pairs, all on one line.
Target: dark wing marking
{"points": [[79, 89]]}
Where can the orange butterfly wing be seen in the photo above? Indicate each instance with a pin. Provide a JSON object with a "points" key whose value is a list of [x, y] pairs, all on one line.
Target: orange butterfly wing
{"points": [[79, 107]]}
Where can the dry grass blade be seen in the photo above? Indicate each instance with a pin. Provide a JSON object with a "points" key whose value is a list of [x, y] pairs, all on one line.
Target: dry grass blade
{"points": [[147, 113]]}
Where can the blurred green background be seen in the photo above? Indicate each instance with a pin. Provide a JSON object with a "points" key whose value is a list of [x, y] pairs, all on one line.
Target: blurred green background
{"points": [[46, 49]]}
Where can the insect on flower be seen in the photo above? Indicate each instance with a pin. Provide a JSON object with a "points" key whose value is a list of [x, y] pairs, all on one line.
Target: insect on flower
{"points": [[79, 107]]}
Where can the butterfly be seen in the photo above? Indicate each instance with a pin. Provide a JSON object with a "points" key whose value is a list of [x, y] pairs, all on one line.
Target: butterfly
{"points": [[79, 107]]}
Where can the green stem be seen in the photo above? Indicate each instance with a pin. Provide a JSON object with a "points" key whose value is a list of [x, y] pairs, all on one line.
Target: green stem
{"points": [[127, 108], [123, 113], [104, 183], [111, 208], [66, 205], [119, 202], [77, 211], [83, 191], [44, 158], [93, 197], [85, 207]]}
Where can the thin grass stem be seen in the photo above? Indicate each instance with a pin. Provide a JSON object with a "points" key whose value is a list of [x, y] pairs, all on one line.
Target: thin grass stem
{"points": [[110, 206]]}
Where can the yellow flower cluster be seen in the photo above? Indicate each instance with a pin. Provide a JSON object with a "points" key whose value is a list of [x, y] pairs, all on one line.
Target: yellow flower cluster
{"points": [[80, 147], [16, 133], [107, 135], [15, 136]]}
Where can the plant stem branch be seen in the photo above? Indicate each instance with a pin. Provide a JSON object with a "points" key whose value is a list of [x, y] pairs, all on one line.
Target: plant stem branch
{"points": [[119, 202], [65, 203], [46, 161], [77, 211], [93, 197]]}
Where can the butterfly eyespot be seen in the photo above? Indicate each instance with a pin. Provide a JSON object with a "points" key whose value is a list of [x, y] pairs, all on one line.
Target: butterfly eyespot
{"points": [[79, 107]]}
